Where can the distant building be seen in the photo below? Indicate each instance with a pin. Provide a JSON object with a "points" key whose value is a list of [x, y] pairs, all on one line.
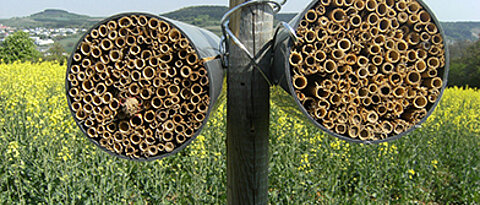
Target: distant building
{"points": [[42, 42]]}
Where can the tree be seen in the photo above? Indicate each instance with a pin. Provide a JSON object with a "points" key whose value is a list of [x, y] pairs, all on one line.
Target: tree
{"points": [[18, 46], [56, 53], [466, 69]]}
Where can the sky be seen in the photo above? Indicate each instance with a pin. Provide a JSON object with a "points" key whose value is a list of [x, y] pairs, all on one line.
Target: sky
{"points": [[445, 10]]}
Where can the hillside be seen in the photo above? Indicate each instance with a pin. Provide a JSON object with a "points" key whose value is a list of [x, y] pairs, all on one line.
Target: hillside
{"points": [[199, 15], [462, 30], [51, 18]]}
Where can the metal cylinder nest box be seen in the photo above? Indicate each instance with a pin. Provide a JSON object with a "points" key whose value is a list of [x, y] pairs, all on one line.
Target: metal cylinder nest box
{"points": [[364, 71], [142, 87]]}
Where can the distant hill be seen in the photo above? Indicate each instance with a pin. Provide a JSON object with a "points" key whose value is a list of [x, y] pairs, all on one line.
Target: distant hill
{"points": [[51, 18], [456, 31], [208, 15], [199, 15]]}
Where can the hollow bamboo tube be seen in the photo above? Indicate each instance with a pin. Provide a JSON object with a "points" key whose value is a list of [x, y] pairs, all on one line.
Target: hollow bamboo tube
{"points": [[192, 59], [92, 132], [167, 58], [311, 16], [105, 59], [136, 138], [310, 36], [161, 92], [362, 92], [74, 82], [146, 93], [106, 44], [413, 7], [131, 40], [107, 97], [118, 148], [367, 101], [433, 83], [433, 63], [344, 44], [373, 20], [114, 105], [81, 115], [94, 34], [343, 70], [437, 39], [432, 98], [180, 139], [300, 82], [125, 21], [199, 117], [143, 146], [136, 120], [169, 147], [381, 9], [112, 25], [420, 66], [100, 89], [174, 35], [103, 143], [148, 73], [195, 99], [295, 59], [204, 81], [152, 150], [73, 92], [399, 92], [87, 86], [364, 134], [76, 106], [169, 125], [402, 17], [387, 68], [354, 131], [420, 102], [97, 101], [77, 57], [134, 89], [387, 127], [112, 127], [118, 137], [87, 98], [413, 78], [384, 24], [392, 56], [430, 73], [413, 38]]}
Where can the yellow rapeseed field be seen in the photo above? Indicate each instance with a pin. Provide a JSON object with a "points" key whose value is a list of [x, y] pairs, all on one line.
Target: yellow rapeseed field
{"points": [[46, 159]]}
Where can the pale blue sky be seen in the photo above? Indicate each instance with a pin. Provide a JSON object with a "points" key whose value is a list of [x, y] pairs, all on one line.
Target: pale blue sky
{"points": [[445, 10]]}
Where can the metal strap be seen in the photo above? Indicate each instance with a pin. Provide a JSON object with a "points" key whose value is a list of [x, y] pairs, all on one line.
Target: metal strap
{"points": [[229, 35]]}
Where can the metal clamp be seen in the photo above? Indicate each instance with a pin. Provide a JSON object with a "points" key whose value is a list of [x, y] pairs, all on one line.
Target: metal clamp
{"points": [[228, 34]]}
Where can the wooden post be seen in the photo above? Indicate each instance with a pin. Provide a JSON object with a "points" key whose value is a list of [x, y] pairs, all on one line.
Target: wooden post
{"points": [[248, 106]]}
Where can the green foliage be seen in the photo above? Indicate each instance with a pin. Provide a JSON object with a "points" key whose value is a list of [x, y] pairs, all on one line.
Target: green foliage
{"points": [[465, 69], [18, 46], [56, 53]]}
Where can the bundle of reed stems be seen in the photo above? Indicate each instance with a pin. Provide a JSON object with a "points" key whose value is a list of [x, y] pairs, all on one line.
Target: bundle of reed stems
{"points": [[368, 69], [137, 86]]}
